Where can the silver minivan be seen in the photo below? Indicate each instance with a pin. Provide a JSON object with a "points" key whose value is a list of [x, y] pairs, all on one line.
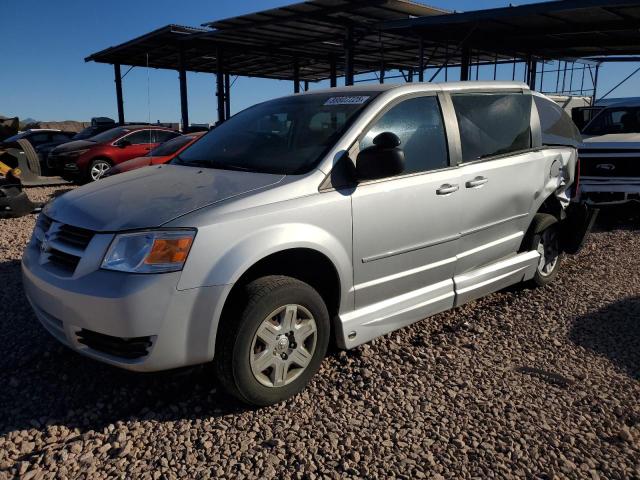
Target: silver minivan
{"points": [[336, 215]]}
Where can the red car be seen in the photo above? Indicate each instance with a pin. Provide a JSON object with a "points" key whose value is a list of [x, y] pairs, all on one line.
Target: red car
{"points": [[161, 154], [88, 160]]}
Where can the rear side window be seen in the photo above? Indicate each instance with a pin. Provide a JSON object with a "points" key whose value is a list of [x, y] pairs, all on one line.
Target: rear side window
{"points": [[39, 138], [418, 123], [556, 125], [162, 136], [140, 137], [492, 123]]}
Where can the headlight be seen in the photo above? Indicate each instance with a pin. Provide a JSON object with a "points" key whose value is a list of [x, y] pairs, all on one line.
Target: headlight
{"points": [[149, 252], [76, 153]]}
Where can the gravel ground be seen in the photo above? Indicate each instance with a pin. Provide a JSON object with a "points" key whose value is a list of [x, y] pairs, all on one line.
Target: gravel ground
{"points": [[535, 384]]}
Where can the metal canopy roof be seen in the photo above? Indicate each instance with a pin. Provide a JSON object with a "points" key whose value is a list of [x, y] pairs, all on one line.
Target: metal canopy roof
{"points": [[266, 44], [385, 35], [559, 29]]}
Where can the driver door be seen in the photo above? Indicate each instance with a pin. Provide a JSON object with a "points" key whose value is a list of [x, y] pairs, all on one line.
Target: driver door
{"points": [[405, 228]]}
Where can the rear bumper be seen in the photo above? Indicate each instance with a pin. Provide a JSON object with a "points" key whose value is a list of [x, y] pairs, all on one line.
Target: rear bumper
{"points": [[609, 191], [110, 316]]}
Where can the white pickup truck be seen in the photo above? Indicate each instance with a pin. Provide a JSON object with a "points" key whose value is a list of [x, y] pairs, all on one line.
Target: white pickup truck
{"points": [[610, 156]]}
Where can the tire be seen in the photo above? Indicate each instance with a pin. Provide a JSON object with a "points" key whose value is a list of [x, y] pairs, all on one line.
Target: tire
{"points": [[255, 361], [544, 237], [32, 156], [97, 169]]}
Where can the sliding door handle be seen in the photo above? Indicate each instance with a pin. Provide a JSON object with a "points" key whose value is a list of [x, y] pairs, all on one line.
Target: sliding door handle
{"points": [[446, 189], [476, 182]]}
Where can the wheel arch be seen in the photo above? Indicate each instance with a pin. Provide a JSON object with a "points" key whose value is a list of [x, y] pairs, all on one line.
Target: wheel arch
{"points": [[306, 264]]}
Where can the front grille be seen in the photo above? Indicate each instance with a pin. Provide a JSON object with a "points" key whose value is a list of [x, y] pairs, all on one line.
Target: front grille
{"points": [[61, 245], [63, 260], [44, 222], [606, 166], [129, 348], [78, 237]]}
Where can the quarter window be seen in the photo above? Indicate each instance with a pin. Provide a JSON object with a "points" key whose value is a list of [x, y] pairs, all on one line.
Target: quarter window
{"points": [[557, 127], [492, 124], [418, 124]]}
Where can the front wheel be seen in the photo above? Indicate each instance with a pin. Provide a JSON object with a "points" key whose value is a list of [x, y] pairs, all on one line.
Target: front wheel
{"points": [[97, 169], [272, 341]]}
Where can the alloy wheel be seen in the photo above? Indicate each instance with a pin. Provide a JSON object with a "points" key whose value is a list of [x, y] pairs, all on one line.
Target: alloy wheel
{"points": [[283, 345]]}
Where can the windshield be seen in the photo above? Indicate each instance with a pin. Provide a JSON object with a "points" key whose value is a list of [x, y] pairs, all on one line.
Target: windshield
{"points": [[615, 120], [284, 136], [170, 147], [15, 138], [85, 133], [110, 135]]}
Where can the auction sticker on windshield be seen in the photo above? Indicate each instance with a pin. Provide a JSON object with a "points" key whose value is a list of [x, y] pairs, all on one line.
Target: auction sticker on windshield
{"points": [[350, 100]]}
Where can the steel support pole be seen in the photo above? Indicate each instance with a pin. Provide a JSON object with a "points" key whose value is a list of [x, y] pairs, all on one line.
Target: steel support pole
{"points": [[410, 75], [119, 100], [333, 72], [382, 72], [533, 67], [227, 96], [296, 76], [595, 85], [464, 64], [184, 102], [348, 56], [421, 61], [220, 85]]}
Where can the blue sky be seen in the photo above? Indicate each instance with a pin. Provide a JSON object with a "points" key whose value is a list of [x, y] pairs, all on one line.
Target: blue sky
{"points": [[44, 43]]}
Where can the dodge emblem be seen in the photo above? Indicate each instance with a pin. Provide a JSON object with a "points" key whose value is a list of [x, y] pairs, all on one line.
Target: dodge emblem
{"points": [[606, 166]]}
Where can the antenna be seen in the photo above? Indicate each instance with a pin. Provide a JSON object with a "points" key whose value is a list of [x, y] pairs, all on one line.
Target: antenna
{"points": [[149, 97]]}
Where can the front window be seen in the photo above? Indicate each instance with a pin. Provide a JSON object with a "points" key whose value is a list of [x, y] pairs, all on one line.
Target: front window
{"points": [[284, 136], [170, 147], [419, 125], [615, 120]]}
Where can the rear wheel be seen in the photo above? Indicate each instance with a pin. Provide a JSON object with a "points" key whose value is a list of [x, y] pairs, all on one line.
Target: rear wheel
{"points": [[544, 237], [273, 341], [98, 168]]}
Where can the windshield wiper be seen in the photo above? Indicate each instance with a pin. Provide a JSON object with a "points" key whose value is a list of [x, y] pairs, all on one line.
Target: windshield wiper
{"points": [[208, 164]]}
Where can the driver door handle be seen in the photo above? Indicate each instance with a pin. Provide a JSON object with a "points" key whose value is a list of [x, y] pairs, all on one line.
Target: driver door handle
{"points": [[476, 182], [446, 189]]}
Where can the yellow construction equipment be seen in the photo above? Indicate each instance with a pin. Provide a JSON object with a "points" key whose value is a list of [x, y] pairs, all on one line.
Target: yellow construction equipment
{"points": [[13, 200]]}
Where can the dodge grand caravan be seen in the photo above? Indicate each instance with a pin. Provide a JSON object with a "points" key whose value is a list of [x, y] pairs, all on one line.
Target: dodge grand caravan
{"points": [[341, 214]]}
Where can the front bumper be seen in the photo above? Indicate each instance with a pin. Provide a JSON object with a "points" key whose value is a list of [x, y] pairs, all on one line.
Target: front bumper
{"points": [[64, 165], [609, 191], [178, 325]]}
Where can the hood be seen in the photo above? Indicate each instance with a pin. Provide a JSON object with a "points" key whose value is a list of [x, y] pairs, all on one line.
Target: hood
{"points": [[150, 197], [613, 140], [73, 146], [132, 164]]}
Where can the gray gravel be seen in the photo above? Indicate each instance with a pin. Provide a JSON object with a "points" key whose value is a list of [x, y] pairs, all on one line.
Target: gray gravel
{"points": [[535, 384]]}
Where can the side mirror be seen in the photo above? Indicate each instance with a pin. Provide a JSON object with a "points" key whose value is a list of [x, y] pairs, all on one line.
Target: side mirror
{"points": [[124, 143], [383, 159]]}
